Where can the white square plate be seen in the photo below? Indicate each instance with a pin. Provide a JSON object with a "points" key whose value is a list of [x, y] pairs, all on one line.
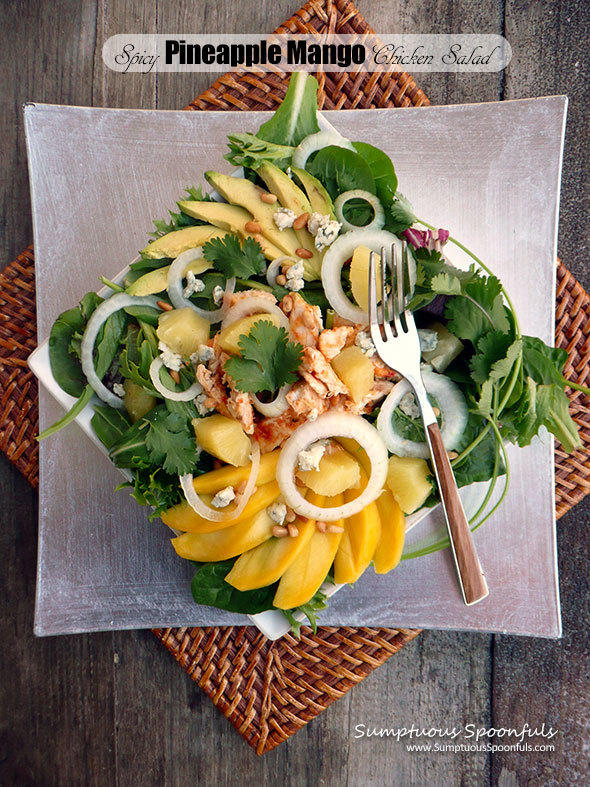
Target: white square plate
{"points": [[488, 172]]}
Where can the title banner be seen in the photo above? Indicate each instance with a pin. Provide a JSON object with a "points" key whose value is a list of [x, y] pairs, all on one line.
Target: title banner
{"points": [[473, 52]]}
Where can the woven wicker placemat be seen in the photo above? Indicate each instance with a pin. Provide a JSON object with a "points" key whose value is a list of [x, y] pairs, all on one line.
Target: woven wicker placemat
{"points": [[269, 690]]}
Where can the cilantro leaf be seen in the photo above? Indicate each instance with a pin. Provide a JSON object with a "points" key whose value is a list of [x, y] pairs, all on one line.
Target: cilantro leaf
{"points": [[170, 443], [479, 309], [401, 214], [235, 259], [268, 361], [445, 284]]}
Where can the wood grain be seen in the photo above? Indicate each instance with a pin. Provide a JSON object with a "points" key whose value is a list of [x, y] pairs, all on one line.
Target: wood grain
{"points": [[115, 709], [473, 584]]}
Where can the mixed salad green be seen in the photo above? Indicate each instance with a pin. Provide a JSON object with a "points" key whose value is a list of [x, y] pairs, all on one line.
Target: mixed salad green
{"points": [[512, 384]]}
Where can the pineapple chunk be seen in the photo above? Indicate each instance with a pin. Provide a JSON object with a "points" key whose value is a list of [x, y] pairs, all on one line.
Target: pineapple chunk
{"points": [[182, 517], [229, 337], [226, 543], [355, 370], [223, 438], [266, 563], [210, 483], [359, 276], [137, 400], [338, 471], [393, 531], [407, 478], [183, 330]]}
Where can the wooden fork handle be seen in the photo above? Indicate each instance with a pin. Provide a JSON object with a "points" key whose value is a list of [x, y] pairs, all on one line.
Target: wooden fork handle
{"points": [[473, 583]]}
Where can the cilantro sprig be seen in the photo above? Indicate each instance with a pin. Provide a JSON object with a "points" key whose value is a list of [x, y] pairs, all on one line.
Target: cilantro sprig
{"points": [[268, 361], [233, 258]]}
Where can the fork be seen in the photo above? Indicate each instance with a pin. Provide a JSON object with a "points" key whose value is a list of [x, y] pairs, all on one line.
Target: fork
{"points": [[396, 341]]}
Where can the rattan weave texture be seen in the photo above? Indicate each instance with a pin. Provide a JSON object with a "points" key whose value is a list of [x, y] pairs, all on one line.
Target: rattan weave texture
{"points": [[269, 690]]}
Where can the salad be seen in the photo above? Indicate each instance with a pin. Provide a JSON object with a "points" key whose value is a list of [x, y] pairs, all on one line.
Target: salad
{"points": [[233, 376]]}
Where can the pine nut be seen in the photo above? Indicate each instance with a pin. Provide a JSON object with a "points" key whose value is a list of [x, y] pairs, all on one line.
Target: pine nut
{"points": [[166, 307], [452, 454], [300, 221], [175, 376], [334, 529], [293, 531], [291, 515], [436, 411], [279, 532], [242, 488], [281, 280], [259, 239], [321, 526], [304, 254], [252, 226], [286, 305], [270, 198]]}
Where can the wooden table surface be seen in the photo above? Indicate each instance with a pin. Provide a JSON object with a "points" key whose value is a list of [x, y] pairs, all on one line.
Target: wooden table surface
{"points": [[115, 708]]}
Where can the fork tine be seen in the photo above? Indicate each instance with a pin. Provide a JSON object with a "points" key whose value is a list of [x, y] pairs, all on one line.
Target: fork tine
{"points": [[382, 271], [372, 290], [408, 316]]}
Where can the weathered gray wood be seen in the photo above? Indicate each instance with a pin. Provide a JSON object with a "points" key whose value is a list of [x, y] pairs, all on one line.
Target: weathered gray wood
{"points": [[70, 714]]}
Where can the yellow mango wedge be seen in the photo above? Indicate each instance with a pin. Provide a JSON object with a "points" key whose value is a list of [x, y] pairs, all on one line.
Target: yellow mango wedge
{"points": [[223, 544], [210, 483], [182, 517], [266, 563], [307, 572], [393, 531], [357, 545]]}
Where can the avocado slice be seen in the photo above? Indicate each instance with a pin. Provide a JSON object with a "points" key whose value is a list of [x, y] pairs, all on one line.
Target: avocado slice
{"points": [[228, 217], [292, 197], [153, 282], [244, 193], [318, 196], [174, 243]]}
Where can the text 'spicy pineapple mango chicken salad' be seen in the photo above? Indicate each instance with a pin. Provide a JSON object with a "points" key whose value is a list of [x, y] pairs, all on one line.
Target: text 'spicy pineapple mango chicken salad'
{"points": [[239, 385]]}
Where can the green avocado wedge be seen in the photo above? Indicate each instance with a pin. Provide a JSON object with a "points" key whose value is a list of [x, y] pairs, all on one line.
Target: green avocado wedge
{"points": [[242, 192], [229, 217], [317, 195], [174, 243]]}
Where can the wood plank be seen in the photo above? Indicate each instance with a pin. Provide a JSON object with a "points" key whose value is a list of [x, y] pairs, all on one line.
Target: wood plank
{"points": [[438, 681], [538, 681]]}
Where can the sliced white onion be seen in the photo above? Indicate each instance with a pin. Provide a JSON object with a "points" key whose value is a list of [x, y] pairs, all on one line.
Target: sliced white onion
{"points": [[453, 409], [332, 425], [273, 269], [99, 316], [341, 250], [215, 514], [176, 396], [313, 142], [342, 199], [254, 304], [278, 405], [175, 288]]}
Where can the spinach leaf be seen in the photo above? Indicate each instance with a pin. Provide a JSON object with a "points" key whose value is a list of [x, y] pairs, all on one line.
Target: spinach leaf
{"points": [[478, 465], [210, 589], [72, 413], [341, 170], [109, 424], [296, 117], [65, 367], [382, 170], [144, 313]]}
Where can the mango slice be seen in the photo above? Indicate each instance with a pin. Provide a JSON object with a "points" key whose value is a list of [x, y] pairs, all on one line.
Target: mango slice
{"points": [[266, 563], [358, 544], [393, 531], [308, 571], [223, 544], [182, 517], [212, 482]]}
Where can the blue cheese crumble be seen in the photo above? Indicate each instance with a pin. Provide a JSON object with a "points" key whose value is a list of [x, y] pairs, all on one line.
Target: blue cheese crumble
{"points": [[277, 512], [224, 497], [309, 458], [193, 285], [170, 359], [284, 218]]}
